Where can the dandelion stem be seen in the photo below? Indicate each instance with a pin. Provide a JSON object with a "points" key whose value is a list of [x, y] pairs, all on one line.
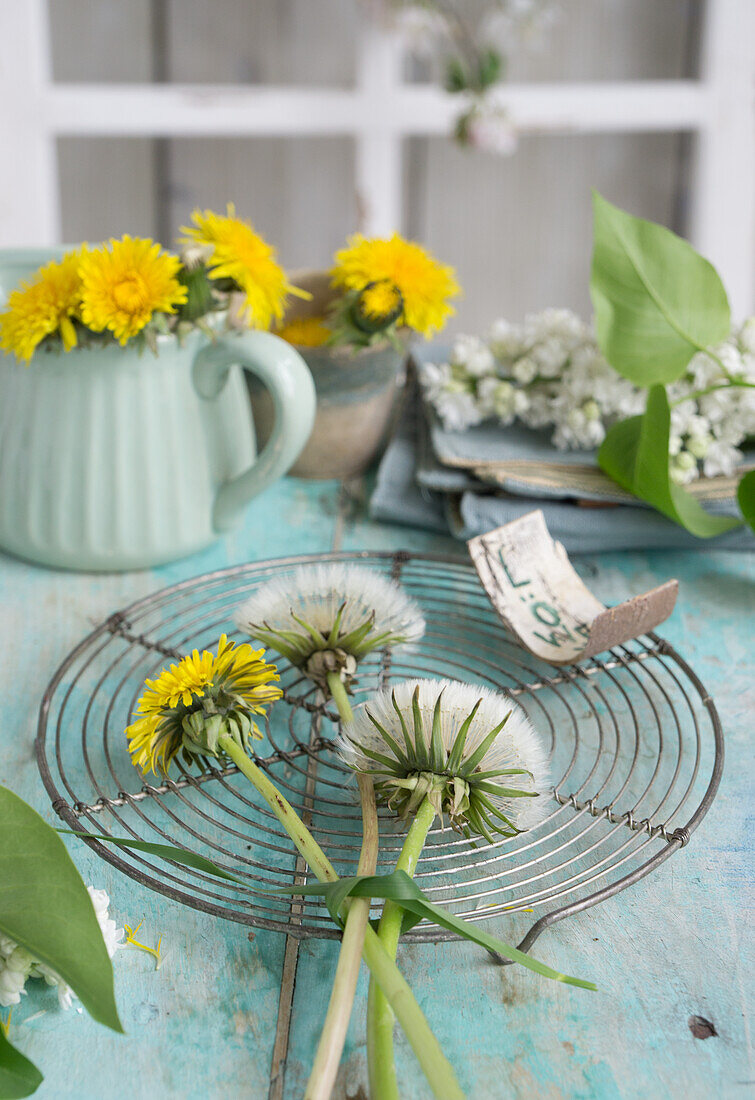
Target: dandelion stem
{"points": [[380, 1016], [340, 697], [325, 1068], [436, 1067]]}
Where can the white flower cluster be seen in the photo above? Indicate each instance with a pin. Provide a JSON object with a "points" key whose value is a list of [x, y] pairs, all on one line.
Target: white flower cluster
{"points": [[550, 373], [16, 964]]}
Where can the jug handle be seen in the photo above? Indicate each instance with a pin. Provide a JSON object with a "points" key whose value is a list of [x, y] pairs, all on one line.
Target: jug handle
{"points": [[285, 374]]}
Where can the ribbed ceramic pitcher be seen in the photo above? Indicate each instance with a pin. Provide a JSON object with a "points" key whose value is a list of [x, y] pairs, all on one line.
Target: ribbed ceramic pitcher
{"points": [[111, 459]]}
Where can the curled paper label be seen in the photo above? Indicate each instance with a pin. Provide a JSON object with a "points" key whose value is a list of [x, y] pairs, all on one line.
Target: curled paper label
{"points": [[542, 601]]}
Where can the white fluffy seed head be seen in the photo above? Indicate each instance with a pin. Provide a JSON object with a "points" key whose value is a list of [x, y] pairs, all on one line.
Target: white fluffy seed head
{"points": [[366, 609], [516, 746]]}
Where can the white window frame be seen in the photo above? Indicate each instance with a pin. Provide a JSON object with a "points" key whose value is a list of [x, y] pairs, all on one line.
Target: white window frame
{"points": [[379, 112]]}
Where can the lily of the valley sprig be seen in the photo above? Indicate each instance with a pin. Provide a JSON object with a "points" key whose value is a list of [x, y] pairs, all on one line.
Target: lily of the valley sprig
{"points": [[205, 706], [436, 748]]}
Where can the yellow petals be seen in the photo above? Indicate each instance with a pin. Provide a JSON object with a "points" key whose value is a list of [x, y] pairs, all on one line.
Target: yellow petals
{"points": [[46, 304], [424, 284], [306, 332], [233, 250], [380, 299], [236, 672], [125, 283]]}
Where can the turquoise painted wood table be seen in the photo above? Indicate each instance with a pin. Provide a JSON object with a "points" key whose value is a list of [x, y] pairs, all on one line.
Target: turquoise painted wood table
{"points": [[236, 1014]]}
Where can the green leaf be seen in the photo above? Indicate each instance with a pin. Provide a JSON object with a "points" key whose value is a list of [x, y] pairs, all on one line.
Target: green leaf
{"points": [[746, 498], [399, 887], [635, 454], [164, 851], [45, 907], [18, 1076], [657, 302]]}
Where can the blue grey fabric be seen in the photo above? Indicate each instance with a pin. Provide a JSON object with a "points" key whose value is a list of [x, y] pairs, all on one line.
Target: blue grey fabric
{"points": [[468, 507]]}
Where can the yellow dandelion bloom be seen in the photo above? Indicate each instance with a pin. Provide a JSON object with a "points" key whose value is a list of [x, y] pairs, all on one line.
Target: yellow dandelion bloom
{"points": [[305, 332], [47, 304], [233, 250], [424, 284], [125, 283], [380, 299], [223, 688]]}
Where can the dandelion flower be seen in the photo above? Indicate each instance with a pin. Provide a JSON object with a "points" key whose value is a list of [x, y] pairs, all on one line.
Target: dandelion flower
{"points": [[126, 283], [471, 752], [305, 332], [48, 303], [326, 618], [233, 250], [425, 285], [194, 703]]}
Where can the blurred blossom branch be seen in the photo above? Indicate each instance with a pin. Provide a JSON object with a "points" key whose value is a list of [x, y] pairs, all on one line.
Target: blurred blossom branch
{"points": [[472, 43]]}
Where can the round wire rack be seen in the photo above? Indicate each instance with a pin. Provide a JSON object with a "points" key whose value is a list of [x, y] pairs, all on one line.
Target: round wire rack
{"points": [[635, 743]]}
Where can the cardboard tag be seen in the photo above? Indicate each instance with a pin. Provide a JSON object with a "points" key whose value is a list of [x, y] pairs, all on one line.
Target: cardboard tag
{"points": [[542, 601]]}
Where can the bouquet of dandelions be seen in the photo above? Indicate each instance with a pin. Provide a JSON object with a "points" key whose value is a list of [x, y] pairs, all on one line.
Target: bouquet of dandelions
{"points": [[461, 751], [385, 288], [131, 290]]}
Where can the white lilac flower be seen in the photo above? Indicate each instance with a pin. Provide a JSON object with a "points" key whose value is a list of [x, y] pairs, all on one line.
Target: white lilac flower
{"points": [[17, 964], [683, 468], [326, 618], [475, 356], [506, 339], [470, 751], [721, 460], [524, 370]]}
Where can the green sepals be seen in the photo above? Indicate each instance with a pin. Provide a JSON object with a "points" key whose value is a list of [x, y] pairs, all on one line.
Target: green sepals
{"points": [[202, 729], [345, 332], [635, 453], [436, 744], [371, 323], [420, 748], [404, 728], [469, 765], [399, 754], [457, 751], [200, 298]]}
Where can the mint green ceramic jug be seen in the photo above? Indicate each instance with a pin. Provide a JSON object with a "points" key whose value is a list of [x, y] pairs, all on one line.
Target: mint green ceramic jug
{"points": [[113, 460]]}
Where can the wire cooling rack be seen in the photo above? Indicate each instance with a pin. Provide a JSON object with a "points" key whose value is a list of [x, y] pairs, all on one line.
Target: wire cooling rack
{"points": [[635, 742]]}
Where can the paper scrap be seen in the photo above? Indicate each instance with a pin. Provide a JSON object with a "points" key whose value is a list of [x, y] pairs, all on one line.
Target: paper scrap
{"points": [[544, 603]]}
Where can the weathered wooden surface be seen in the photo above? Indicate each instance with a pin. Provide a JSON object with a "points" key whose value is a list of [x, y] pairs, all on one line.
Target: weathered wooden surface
{"points": [[204, 1025]]}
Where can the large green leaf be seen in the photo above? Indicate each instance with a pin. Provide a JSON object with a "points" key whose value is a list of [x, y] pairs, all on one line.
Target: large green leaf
{"points": [[746, 498], [657, 302], [18, 1076], [399, 887], [635, 454], [45, 906]]}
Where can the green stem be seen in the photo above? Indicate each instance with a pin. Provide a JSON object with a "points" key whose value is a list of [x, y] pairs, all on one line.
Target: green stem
{"points": [[436, 1067], [733, 383], [325, 1067], [340, 697], [380, 1017]]}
